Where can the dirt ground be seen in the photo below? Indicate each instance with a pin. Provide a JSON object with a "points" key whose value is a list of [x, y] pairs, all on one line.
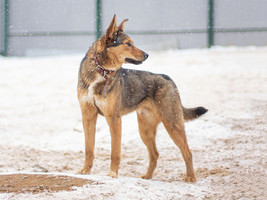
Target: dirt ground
{"points": [[222, 163], [37, 183], [227, 171]]}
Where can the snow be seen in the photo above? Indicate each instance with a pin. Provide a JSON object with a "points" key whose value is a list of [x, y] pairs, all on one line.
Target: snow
{"points": [[39, 112]]}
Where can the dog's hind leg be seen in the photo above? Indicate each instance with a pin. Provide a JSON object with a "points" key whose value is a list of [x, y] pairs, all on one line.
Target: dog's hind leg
{"points": [[115, 132], [171, 114], [148, 122], [177, 134], [89, 117]]}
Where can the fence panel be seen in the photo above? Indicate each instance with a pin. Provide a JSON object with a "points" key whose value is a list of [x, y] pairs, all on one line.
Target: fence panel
{"points": [[46, 27], [240, 22], [43, 27], [162, 24]]}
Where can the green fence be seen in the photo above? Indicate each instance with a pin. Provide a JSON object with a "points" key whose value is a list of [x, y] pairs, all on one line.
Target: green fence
{"points": [[210, 30], [6, 27]]}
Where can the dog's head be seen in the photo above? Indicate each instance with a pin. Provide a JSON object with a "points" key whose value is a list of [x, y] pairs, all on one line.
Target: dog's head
{"points": [[120, 46]]}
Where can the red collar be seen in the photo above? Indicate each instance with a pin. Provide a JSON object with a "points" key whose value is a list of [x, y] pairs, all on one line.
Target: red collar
{"points": [[101, 70], [104, 72]]}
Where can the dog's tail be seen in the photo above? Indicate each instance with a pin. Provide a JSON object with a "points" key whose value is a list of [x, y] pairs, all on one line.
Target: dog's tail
{"points": [[193, 113]]}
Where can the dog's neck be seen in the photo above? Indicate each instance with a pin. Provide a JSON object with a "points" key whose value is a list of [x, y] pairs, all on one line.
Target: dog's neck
{"points": [[89, 69], [103, 72]]}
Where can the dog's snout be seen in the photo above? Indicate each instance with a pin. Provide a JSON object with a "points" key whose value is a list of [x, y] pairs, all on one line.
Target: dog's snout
{"points": [[145, 55]]}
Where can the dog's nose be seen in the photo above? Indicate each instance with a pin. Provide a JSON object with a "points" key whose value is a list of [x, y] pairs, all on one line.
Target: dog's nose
{"points": [[145, 55]]}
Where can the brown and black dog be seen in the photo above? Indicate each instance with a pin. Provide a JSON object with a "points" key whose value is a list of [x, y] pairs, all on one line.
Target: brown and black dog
{"points": [[107, 89]]}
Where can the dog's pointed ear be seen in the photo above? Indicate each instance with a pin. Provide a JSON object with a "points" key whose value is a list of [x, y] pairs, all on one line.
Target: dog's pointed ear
{"points": [[112, 28], [121, 26]]}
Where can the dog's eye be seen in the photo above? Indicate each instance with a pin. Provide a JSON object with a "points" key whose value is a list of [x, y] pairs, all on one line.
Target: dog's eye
{"points": [[128, 44]]}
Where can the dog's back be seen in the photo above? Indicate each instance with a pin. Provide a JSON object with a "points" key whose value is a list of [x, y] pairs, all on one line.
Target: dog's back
{"points": [[137, 86]]}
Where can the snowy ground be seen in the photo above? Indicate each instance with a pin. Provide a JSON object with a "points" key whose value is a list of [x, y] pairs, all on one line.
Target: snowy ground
{"points": [[41, 130]]}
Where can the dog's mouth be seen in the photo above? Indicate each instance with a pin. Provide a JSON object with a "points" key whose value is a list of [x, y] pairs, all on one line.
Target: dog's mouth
{"points": [[130, 60]]}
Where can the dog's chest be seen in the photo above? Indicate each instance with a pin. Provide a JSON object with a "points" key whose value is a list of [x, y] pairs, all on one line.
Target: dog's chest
{"points": [[94, 95]]}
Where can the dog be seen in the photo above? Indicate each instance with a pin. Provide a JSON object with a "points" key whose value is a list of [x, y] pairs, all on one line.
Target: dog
{"points": [[105, 88]]}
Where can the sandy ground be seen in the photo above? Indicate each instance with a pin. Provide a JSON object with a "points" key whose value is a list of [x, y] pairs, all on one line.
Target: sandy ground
{"points": [[41, 139]]}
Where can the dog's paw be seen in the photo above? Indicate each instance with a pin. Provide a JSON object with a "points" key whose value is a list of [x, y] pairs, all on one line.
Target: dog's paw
{"points": [[85, 170], [113, 174], [145, 176], [190, 179]]}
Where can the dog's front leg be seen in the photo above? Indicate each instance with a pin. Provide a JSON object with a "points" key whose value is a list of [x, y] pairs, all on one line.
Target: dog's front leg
{"points": [[89, 117], [115, 132]]}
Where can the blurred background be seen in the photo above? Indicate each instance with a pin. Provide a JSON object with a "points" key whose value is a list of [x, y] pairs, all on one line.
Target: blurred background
{"points": [[53, 27]]}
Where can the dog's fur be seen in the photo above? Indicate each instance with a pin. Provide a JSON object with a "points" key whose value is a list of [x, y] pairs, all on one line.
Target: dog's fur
{"points": [[154, 97]]}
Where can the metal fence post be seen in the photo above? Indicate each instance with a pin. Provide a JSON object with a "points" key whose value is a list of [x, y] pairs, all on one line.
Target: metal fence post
{"points": [[6, 26], [98, 18], [211, 24]]}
